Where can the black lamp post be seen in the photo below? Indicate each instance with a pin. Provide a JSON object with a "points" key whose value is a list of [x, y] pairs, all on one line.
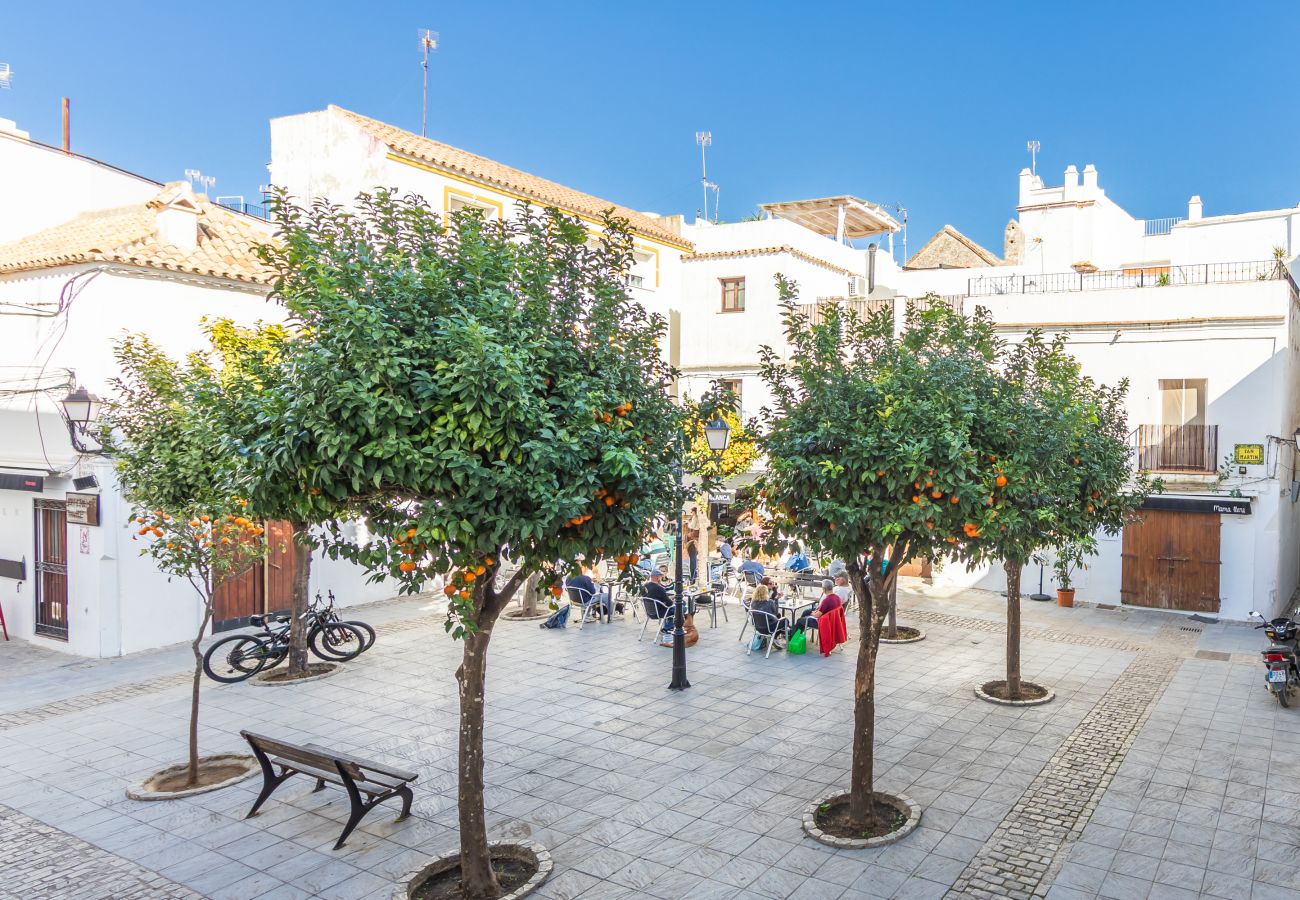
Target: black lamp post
{"points": [[81, 411], [718, 434]]}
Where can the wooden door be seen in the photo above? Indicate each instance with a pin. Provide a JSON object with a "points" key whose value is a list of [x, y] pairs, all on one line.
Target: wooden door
{"points": [[264, 587], [52, 569], [1171, 561]]}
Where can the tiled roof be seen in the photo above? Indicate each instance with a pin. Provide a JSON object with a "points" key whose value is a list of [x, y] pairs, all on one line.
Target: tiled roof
{"points": [[952, 234], [767, 251], [481, 169], [129, 235]]}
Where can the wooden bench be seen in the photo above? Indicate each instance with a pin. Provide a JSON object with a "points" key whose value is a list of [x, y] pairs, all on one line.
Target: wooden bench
{"points": [[368, 783]]}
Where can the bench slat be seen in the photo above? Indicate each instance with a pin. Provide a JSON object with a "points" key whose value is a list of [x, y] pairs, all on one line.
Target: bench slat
{"points": [[368, 764]]}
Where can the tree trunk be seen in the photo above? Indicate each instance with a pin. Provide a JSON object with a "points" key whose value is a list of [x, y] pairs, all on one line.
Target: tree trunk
{"points": [[873, 600], [298, 599], [192, 776], [528, 602], [892, 628], [478, 882], [1012, 568]]}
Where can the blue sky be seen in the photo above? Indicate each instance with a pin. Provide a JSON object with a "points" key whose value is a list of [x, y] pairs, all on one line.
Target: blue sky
{"points": [[927, 105]]}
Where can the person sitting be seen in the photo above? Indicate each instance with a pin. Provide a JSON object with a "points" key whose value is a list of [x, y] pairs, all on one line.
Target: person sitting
{"points": [[842, 589], [766, 615], [796, 561], [582, 592], [836, 568], [752, 566], [830, 600], [658, 604], [767, 582]]}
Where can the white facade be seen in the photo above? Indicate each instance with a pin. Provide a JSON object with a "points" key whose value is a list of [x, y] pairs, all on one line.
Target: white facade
{"points": [[57, 329]]}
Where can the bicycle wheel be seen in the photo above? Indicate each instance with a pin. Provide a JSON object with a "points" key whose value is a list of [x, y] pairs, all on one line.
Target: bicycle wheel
{"points": [[336, 642], [235, 658], [367, 633]]}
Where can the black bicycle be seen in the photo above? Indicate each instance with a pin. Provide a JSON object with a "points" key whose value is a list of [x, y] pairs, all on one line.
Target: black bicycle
{"points": [[242, 656], [328, 614]]}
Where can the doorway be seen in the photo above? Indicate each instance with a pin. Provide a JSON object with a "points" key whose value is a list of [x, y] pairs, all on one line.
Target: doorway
{"points": [[1171, 561], [52, 569], [264, 587]]}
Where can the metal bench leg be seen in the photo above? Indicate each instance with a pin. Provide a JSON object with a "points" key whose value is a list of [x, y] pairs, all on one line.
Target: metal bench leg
{"points": [[320, 785], [354, 818], [270, 780], [407, 796]]}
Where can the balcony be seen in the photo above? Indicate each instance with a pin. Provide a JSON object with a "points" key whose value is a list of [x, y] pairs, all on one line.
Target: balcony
{"points": [[1117, 279], [1191, 449], [860, 307]]}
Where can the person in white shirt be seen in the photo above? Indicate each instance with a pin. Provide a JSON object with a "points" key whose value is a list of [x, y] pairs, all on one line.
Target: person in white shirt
{"points": [[842, 588]]}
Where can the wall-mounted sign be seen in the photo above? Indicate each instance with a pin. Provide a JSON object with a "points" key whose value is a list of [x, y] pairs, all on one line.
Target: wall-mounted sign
{"points": [[11, 482], [83, 509], [1224, 506], [1248, 454], [722, 496]]}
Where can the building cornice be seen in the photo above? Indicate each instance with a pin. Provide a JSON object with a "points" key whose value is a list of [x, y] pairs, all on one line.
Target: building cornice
{"points": [[768, 251]]}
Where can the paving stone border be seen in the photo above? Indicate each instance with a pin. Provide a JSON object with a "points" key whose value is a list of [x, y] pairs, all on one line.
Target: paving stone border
{"points": [[527, 850], [920, 636], [1038, 701], [901, 802], [41, 861], [140, 792], [1020, 858], [261, 680], [990, 626]]}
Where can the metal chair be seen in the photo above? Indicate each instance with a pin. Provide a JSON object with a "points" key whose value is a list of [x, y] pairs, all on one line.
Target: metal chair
{"points": [[655, 611], [588, 601], [772, 621]]}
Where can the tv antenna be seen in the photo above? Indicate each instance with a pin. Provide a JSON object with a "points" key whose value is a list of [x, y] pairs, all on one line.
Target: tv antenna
{"points": [[191, 174], [207, 181], [1033, 147], [902, 211], [704, 139], [6, 76], [428, 43]]}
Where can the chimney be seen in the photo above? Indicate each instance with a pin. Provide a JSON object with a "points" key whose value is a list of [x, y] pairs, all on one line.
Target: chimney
{"points": [[10, 127], [1071, 177], [871, 269], [178, 220], [1090, 177], [1194, 208], [1027, 185]]}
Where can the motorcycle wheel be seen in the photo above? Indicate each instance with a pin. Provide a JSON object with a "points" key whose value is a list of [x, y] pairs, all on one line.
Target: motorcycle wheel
{"points": [[1281, 698]]}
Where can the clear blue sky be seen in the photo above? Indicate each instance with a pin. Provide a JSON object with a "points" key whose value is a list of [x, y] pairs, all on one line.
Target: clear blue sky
{"points": [[928, 105]]}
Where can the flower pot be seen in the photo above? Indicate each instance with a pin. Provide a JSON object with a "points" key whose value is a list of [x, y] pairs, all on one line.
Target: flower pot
{"points": [[1065, 596]]}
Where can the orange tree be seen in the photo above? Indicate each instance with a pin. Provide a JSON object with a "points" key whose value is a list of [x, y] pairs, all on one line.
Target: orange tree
{"points": [[175, 471], [870, 459], [1055, 469], [471, 389]]}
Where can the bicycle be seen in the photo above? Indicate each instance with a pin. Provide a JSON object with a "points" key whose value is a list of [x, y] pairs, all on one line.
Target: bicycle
{"points": [[328, 614], [241, 656]]}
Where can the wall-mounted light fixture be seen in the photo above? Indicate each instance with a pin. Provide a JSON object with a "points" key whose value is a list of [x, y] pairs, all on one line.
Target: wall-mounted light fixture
{"points": [[81, 412]]}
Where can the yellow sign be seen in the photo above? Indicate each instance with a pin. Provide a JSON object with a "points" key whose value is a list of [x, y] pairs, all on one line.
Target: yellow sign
{"points": [[1248, 454]]}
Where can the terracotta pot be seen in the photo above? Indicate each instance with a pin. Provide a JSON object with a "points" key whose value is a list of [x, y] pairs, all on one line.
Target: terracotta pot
{"points": [[1065, 596]]}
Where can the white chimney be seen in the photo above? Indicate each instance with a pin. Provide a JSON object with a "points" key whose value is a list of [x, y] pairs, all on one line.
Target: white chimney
{"points": [[1029, 182], [1194, 208], [10, 127], [178, 221], [1090, 177], [1071, 177]]}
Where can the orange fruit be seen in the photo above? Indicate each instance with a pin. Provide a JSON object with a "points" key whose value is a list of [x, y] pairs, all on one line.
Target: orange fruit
{"points": [[609, 501], [470, 576], [953, 500], [205, 518], [555, 590], [1001, 481], [916, 499], [487, 560], [449, 590], [407, 566], [225, 540], [936, 493], [480, 570], [194, 523], [143, 531], [464, 595], [880, 473]]}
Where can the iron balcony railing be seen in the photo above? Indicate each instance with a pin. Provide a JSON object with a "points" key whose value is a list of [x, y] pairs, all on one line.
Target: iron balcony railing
{"points": [[1115, 279], [1152, 227], [251, 209], [1178, 448], [862, 308]]}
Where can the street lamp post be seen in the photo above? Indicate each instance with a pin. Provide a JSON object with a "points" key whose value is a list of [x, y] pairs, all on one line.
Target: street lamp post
{"points": [[81, 412], [718, 434]]}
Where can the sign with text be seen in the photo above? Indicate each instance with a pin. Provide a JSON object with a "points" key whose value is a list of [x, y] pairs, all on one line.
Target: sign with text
{"points": [[83, 509], [1224, 506], [723, 496], [1248, 454]]}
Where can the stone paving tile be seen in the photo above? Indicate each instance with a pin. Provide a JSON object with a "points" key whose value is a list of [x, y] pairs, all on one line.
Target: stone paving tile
{"points": [[643, 793]]}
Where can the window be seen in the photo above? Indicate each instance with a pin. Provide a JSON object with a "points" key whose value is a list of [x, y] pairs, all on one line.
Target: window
{"points": [[456, 203], [733, 295], [735, 385], [641, 270], [1182, 401]]}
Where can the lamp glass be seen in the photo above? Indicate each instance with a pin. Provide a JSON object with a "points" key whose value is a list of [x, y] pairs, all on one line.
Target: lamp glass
{"points": [[718, 434], [81, 407]]}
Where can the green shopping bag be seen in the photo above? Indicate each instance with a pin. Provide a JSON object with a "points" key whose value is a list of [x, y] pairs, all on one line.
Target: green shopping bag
{"points": [[798, 644]]}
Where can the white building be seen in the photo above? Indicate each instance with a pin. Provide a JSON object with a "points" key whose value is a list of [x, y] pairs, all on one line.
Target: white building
{"points": [[1199, 314], [157, 262]]}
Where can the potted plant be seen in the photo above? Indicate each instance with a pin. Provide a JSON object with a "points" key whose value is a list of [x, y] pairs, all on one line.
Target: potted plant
{"points": [[1069, 557]]}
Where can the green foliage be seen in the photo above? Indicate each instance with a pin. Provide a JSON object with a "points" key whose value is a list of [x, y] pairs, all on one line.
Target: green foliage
{"points": [[469, 389]]}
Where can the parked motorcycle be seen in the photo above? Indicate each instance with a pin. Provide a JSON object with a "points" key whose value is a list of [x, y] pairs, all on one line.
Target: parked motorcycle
{"points": [[1282, 673]]}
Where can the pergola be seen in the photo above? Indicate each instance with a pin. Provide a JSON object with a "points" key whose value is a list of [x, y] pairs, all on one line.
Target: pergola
{"points": [[840, 217]]}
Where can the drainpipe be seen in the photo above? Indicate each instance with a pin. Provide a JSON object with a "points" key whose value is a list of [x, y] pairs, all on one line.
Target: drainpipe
{"points": [[871, 269]]}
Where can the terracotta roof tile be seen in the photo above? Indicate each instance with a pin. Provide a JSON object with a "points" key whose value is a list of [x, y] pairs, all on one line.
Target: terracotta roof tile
{"points": [[481, 169], [129, 235]]}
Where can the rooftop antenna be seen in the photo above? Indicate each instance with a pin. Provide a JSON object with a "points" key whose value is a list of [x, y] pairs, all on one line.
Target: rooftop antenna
{"points": [[428, 43], [902, 211], [6, 76], [191, 174], [704, 139], [207, 181], [710, 186], [1033, 147]]}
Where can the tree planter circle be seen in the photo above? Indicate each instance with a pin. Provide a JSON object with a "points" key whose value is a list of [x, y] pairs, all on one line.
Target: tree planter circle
{"points": [[318, 671], [915, 635], [517, 615], [230, 768], [905, 805], [528, 853], [1039, 694]]}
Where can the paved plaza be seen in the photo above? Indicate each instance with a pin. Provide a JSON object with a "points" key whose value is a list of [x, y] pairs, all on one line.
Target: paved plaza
{"points": [[1163, 769]]}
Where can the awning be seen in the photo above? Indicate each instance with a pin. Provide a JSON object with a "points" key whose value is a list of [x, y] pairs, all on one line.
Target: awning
{"points": [[861, 218]]}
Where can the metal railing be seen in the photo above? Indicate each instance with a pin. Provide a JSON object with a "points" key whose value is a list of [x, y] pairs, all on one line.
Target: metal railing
{"points": [[251, 209], [816, 312], [1152, 227], [1178, 448], [1116, 279]]}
